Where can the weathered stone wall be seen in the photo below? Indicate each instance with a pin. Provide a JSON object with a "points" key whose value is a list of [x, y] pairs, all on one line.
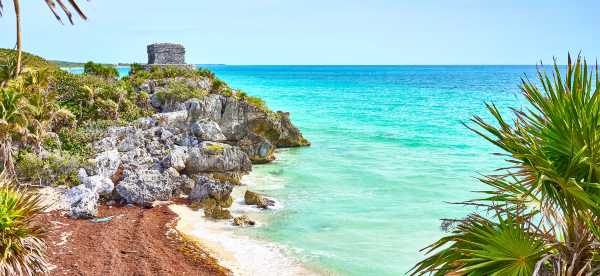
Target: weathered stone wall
{"points": [[166, 53]]}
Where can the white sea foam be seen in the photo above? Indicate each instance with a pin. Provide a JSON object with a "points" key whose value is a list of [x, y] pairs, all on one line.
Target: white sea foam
{"points": [[241, 253]]}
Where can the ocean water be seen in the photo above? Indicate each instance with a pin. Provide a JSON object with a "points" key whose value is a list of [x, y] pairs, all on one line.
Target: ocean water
{"points": [[388, 152]]}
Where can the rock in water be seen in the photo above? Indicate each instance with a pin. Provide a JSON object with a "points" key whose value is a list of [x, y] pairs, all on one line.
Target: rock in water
{"points": [[145, 186], [217, 213], [252, 198], [243, 221], [83, 202]]}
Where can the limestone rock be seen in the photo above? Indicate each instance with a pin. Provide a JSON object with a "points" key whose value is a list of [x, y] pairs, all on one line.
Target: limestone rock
{"points": [[258, 149], [177, 158], [209, 188], [217, 157], [144, 186], [252, 198], [99, 184], [55, 198], [218, 213], [207, 131], [243, 221], [83, 202], [107, 163]]}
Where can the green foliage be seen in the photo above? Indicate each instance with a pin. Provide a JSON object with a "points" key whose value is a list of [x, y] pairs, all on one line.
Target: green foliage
{"points": [[252, 100], [257, 102], [23, 248], [179, 91], [104, 71], [55, 168], [553, 149], [218, 86], [95, 98], [135, 68], [29, 60], [206, 73], [139, 73], [481, 247]]}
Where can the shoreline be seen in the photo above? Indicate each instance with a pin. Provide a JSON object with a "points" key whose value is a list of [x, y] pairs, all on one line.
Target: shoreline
{"points": [[241, 254]]}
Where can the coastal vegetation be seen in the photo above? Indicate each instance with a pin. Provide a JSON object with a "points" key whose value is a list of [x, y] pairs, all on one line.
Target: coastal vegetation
{"points": [[540, 214], [100, 70], [53, 125], [21, 239]]}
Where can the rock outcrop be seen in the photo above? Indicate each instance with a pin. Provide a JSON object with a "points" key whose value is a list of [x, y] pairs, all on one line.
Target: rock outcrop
{"points": [[243, 221], [252, 198], [201, 147]]}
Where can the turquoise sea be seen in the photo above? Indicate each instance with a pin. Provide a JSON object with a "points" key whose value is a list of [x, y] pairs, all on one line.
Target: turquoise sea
{"points": [[388, 152]]}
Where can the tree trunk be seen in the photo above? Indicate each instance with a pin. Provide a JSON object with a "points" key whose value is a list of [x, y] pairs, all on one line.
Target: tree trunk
{"points": [[19, 43], [6, 156]]}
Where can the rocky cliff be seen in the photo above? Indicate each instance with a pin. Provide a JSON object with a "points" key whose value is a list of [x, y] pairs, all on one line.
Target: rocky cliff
{"points": [[199, 146]]}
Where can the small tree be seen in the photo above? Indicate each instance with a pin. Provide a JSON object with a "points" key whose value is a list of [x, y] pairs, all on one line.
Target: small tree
{"points": [[52, 5]]}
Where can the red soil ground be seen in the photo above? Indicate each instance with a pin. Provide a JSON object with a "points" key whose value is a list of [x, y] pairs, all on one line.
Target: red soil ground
{"points": [[134, 242]]}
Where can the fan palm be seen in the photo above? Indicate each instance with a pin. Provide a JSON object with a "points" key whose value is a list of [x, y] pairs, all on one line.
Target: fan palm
{"points": [[52, 5], [23, 249], [552, 182]]}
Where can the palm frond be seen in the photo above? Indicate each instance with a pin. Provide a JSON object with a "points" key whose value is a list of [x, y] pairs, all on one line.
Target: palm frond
{"points": [[480, 246], [66, 10]]}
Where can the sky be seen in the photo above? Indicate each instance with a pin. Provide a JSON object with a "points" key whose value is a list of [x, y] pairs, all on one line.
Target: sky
{"points": [[322, 32]]}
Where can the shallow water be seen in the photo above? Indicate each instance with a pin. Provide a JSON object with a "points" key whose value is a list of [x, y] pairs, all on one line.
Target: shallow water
{"points": [[388, 150]]}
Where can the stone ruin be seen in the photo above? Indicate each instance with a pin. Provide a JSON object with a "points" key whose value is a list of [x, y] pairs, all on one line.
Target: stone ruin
{"points": [[166, 53]]}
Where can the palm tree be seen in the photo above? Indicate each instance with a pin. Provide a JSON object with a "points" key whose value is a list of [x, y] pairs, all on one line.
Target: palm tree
{"points": [[543, 211], [52, 5], [13, 124]]}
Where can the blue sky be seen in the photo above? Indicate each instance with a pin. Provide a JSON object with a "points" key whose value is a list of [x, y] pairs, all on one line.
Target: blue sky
{"points": [[316, 31]]}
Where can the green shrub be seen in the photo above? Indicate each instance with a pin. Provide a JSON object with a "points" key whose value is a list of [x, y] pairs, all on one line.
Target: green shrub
{"points": [[136, 68], [95, 98], [218, 86], [179, 91], [21, 239], [104, 71], [29, 60], [138, 73], [56, 168], [255, 101], [205, 73], [258, 102]]}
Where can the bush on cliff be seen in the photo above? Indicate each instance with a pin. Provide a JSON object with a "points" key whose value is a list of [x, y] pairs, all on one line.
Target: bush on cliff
{"points": [[179, 91], [543, 211], [95, 98], [104, 71]]}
